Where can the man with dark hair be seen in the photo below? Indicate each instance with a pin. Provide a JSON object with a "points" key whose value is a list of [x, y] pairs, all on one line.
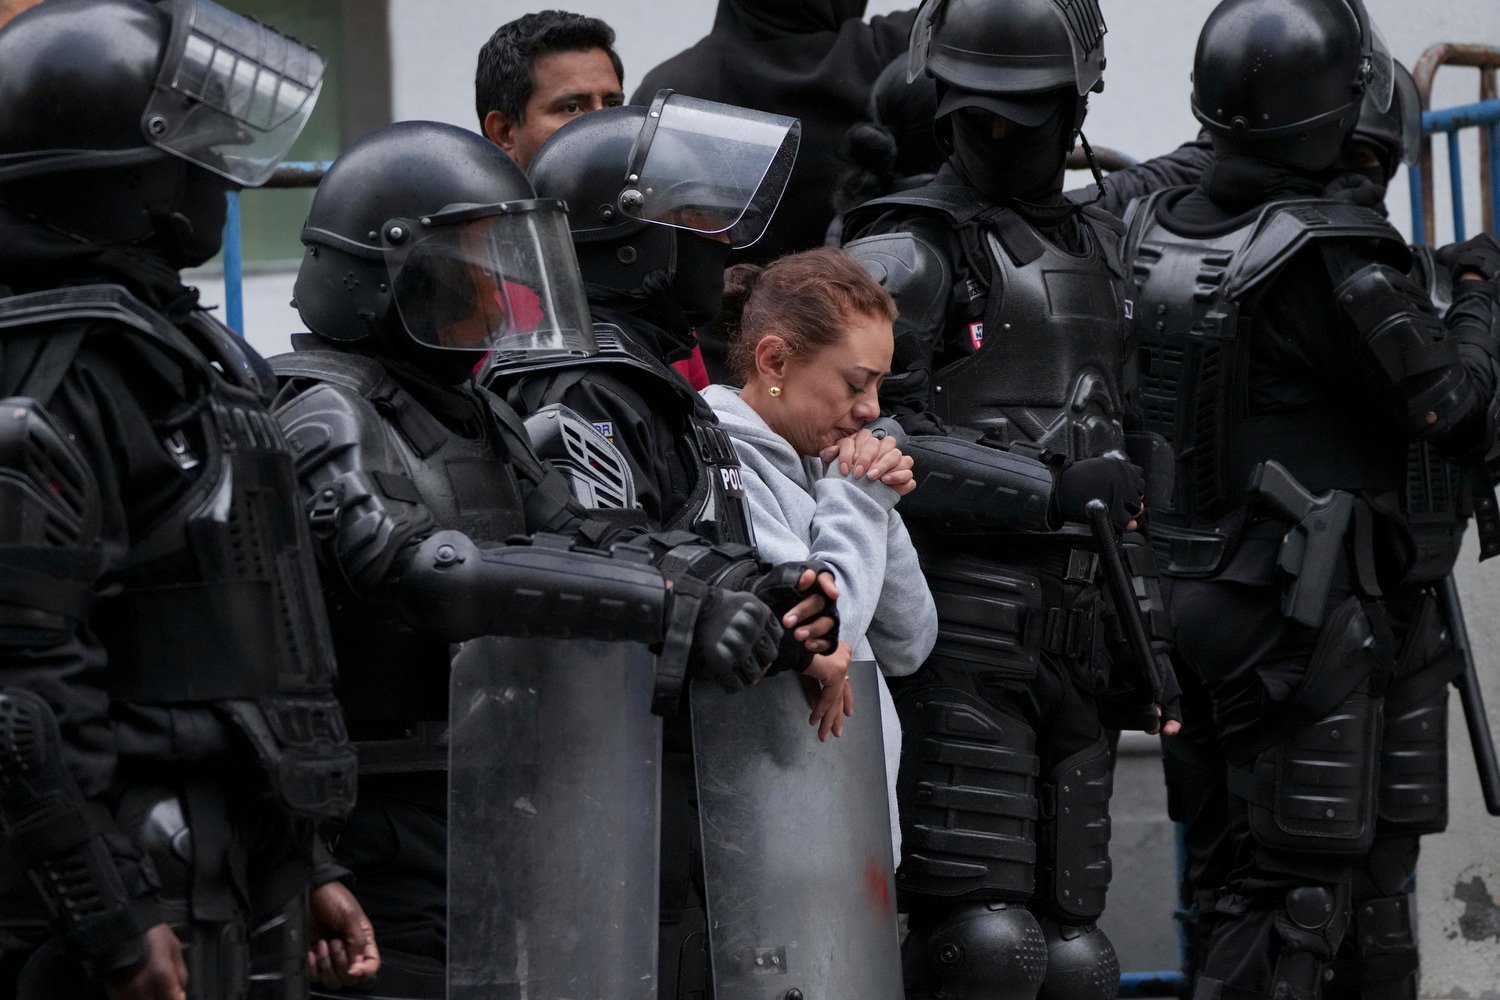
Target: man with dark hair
{"points": [[540, 71]]}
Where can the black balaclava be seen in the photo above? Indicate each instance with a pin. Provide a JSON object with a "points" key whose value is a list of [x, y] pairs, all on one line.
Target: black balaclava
{"points": [[698, 280], [1026, 166]]}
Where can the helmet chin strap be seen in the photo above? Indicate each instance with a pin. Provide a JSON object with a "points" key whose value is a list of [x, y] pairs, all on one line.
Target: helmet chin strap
{"points": [[1088, 154]]}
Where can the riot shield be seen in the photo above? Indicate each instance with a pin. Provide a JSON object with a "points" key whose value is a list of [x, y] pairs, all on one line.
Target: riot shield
{"points": [[553, 811], [796, 845]]}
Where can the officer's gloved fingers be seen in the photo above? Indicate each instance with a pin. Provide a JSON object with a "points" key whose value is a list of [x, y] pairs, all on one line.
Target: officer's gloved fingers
{"points": [[1477, 257], [736, 638], [1120, 485]]}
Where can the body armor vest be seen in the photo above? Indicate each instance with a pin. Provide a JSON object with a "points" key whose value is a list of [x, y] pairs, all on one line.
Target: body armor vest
{"points": [[1041, 356], [465, 482], [715, 507], [1193, 305], [218, 599]]}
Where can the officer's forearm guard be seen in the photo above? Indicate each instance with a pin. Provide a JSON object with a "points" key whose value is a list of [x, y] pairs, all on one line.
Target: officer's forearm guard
{"points": [[967, 484], [539, 587], [1405, 336], [46, 825]]}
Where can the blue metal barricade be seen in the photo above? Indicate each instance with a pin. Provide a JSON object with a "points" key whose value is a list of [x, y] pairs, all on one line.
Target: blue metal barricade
{"points": [[1450, 122], [289, 175]]}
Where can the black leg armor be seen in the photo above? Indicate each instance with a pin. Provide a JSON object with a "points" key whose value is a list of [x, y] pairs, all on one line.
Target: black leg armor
{"points": [[989, 616], [278, 953], [1311, 925], [1075, 827], [968, 795], [1414, 750], [1385, 934], [1312, 793]]}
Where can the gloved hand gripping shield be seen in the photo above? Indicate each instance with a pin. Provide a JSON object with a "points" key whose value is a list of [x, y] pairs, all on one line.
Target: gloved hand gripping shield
{"points": [[500, 277], [974, 68], [232, 94], [709, 168]]}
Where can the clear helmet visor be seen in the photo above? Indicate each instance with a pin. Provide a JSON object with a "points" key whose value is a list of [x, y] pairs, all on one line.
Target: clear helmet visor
{"points": [[1407, 103], [490, 278], [1378, 71], [232, 94], [1082, 19], [710, 168]]}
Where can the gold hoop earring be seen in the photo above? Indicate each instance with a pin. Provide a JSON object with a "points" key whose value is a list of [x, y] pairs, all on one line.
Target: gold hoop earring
{"points": [[775, 391]]}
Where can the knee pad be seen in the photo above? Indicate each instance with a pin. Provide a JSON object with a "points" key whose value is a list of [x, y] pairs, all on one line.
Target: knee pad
{"points": [[988, 951], [1075, 834], [968, 795], [1311, 926], [1385, 937], [1081, 963]]}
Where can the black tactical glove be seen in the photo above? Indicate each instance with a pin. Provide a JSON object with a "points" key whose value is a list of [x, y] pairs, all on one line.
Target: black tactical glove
{"points": [[778, 589], [1480, 254], [735, 636], [1115, 481]]}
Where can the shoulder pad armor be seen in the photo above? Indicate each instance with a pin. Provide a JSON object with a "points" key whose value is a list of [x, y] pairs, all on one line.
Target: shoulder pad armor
{"points": [[915, 273], [355, 372], [960, 204], [502, 371], [1286, 227]]}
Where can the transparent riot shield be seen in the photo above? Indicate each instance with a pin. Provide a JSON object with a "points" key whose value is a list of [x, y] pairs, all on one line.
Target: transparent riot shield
{"points": [[796, 845], [554, 792]]}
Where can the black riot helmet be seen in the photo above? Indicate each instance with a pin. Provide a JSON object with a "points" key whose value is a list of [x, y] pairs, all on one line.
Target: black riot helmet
{"points": [[1016, 55], [124, 121], [428, 239], [1284, 80], [658, 196], [1395, 134], [1029, 62]]}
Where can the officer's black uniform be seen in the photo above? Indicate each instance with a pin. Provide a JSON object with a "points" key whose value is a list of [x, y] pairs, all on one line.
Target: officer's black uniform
{"points": [[413, 478], [1278, 323], [168, 738], [1006, 779]]}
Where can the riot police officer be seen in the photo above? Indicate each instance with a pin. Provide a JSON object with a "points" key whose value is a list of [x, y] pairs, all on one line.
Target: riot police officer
{"points": [[1010, 364], [1292, 359], [653, 270], [168, 737], [425, 249]]}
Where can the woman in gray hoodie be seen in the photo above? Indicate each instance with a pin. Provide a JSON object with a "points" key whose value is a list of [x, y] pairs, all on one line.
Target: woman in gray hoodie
{"points": [[812, 343]]}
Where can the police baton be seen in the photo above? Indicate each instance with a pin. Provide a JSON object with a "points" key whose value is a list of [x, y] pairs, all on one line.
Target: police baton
{"points": [[1467, 682], [1117, 578]]}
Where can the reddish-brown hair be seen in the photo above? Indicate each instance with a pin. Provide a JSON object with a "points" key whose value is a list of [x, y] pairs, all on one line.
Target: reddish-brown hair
{"points": [[804, 298]]}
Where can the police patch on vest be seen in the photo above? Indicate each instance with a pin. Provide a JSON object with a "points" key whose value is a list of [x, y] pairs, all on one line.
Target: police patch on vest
{"points": [[976, 335], [729, 475], [607, 429]]}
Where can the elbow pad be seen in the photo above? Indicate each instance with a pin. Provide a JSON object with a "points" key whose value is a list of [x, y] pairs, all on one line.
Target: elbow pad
{"points": [[964, 483], [47, 827], [1405, 337], [530, 587]]}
